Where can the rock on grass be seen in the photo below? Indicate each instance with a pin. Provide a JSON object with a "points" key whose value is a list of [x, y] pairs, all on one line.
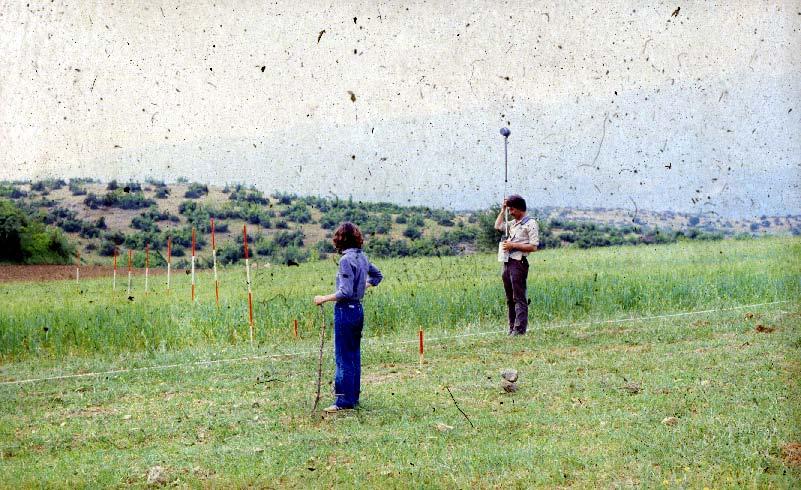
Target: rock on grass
{"points": [[157, 476], [508, 386], [509, 375], [670, 421]]}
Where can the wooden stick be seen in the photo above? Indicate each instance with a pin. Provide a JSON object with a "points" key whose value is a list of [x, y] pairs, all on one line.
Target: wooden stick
{"points": [[114, 277], [421, 346], [193, 265], [214, 259], [147, 265], [130, 260], [458, 408], [295, 328], [247, 271], [169, 260], [320, 360]]}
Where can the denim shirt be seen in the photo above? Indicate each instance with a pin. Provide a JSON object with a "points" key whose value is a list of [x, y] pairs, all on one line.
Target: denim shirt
{"points": [[354, 272]]}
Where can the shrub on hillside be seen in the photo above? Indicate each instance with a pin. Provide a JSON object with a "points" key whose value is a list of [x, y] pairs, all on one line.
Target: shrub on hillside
{"points": [[144, 223], [297, 212], [293, 253], [230, 253], [287, 238], [252, 195], [119, 199], [412, 232], [24, 239], [77, 189], [196, 191], [284, 198]]}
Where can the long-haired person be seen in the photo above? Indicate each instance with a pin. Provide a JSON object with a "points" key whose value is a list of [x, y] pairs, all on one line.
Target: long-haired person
{"points": [[354, 276]]}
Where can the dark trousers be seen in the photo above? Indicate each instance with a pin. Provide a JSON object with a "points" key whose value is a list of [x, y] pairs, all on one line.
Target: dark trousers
{"points": [[515, 273], [348, 323]]}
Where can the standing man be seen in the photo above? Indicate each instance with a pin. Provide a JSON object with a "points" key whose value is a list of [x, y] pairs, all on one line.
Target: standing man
{"points": [[523, 239]]}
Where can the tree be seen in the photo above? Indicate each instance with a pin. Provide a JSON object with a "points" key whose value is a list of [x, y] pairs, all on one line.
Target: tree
{"points": [[29, 241], [12, 223], [488, 236]]}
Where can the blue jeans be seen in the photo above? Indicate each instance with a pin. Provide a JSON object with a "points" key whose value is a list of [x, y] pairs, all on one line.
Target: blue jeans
{"points": [[348, 323]]}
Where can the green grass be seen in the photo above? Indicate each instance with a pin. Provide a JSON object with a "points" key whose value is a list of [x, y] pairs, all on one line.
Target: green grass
{"points": [[736, 393], [56, 319]]}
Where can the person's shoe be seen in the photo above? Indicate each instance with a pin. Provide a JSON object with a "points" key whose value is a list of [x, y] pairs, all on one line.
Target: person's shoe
{"points": [[515, 333], [335, 408]]}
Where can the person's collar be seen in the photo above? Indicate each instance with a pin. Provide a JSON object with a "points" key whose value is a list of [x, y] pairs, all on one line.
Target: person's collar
{"points": [[351, 250]]}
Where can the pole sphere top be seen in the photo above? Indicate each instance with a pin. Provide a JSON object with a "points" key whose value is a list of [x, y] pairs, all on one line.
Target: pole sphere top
{"points": [[505, 132]]}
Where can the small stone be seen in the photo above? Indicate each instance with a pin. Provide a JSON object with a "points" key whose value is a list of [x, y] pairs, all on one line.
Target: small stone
{"points": [[508, 386], [670, 421], [443, 427], [509, 375], [632, 388], [157, 476], [126, 417]]}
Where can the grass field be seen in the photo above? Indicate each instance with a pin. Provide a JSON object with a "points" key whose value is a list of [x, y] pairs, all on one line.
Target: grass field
{"points": [[734, 392], [51, 320]]}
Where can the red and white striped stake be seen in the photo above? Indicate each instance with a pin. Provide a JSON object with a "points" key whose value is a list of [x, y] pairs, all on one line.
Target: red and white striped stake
{"points": [[193, 264], [169, 260], [247, 271], [147, 264], [214, 262], [114, 277], [130, 264], [77, 266], [421, 346]]}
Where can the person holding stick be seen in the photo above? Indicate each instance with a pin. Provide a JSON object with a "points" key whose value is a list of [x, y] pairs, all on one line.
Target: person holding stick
{"points": [[521, 240], [354, 276]]}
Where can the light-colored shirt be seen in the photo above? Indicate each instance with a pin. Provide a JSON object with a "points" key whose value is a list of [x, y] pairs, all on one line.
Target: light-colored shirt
{"points": [[524, 230], [353, 274]]}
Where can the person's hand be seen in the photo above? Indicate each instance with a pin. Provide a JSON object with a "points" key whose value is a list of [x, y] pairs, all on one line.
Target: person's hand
{"points": [[318, 300], [508, 246], [367, 285], [503, 205]]}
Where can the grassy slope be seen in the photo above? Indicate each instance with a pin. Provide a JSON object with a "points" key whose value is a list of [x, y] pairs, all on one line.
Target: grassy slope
{"points": [[735, 393]]}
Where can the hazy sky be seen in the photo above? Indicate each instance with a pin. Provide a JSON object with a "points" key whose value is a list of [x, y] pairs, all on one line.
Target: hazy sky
{"points": [[609, 103]]}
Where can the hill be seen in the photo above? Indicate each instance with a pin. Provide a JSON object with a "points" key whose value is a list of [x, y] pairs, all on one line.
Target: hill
{"points": [[282, 228]]}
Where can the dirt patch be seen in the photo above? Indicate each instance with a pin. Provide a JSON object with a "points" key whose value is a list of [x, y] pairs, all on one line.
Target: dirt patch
{"points": [[41, 273], [791, 453], [764, 329]]}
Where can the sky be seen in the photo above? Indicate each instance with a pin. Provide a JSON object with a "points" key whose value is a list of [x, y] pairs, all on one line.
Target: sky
{"points": [[683, 106]]}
